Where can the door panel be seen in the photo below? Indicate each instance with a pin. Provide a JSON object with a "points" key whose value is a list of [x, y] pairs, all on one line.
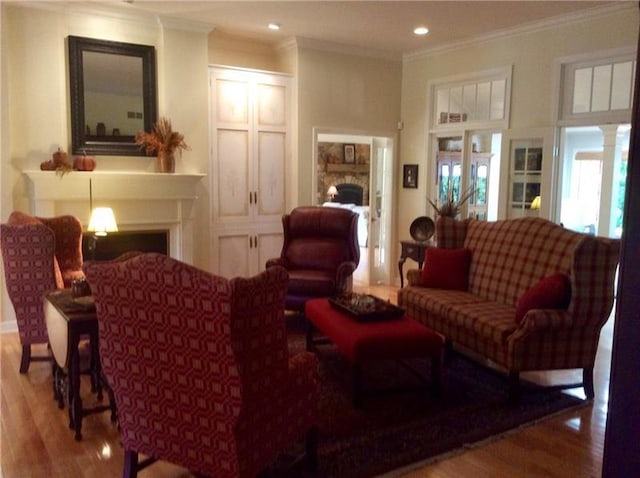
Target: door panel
{"points": [[233, 173], [271, 173]]}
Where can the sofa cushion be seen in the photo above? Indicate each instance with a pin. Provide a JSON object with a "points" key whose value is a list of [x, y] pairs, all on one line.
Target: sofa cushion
{"points": [[446, 268], [552, 292]]}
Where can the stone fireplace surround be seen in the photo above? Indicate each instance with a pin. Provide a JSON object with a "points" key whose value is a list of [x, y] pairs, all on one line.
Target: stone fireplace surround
{"points": [[141, 201]]}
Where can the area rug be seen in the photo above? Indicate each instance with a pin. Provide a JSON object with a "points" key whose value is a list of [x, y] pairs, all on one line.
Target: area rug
{"points": [[395, 428]]}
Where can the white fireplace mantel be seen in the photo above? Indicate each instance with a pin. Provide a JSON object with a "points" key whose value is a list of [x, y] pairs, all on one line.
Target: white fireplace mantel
{"points": [[48, 186], [140, 200]]}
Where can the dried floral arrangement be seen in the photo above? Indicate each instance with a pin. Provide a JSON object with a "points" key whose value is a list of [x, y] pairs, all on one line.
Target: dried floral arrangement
{"points": [[450, 207], [161, 139]]}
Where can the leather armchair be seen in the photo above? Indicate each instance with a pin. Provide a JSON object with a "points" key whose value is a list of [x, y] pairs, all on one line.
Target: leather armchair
{"points": [[39, 255], [320, 252], [199, 366]]}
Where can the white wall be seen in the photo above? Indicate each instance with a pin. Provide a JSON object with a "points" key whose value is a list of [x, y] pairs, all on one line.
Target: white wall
{"points": [[534, 57]]}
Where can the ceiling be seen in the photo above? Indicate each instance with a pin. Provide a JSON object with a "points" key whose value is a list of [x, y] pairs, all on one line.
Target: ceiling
{"points": [[385, 27]]}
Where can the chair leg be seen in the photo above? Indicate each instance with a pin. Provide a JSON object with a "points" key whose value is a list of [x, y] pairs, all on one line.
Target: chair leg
{"points": [[311, 450], [130, 464], [26, 359], [587, 381]]}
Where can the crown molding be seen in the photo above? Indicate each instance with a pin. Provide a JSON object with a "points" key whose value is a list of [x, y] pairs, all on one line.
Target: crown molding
{"points": [[309, 43], [186, 25], [596, 12], [118, 11]]}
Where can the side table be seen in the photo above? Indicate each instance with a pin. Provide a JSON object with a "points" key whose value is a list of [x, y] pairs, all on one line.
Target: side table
{"points": [[414, 250], [66, 324]]}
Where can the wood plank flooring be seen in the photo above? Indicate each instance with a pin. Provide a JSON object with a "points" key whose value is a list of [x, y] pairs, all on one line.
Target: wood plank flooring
{"points": [[35, 440]]}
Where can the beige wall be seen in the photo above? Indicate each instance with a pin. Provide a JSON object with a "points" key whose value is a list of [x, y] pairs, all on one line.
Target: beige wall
{"points": [[35, 99], [534, 57], [342, 92]]}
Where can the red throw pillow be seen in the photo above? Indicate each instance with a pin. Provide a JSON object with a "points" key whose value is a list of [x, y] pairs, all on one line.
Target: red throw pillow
{"points": [[446, 268], [553, 292]]}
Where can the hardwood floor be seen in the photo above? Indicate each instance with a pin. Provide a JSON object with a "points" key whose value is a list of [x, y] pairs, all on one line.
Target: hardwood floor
{"points": [[35, 440]]}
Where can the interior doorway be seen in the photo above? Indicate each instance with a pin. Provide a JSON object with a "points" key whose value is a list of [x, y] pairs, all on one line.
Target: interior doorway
{"points": [[355, 171], [593, 178]]}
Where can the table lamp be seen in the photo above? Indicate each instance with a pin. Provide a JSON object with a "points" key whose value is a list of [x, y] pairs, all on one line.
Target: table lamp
{"points": [[332, 192], [101, 223], [535, 204]]}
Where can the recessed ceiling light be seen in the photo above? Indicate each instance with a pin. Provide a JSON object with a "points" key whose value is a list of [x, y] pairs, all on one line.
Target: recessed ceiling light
{"points": [[274, 26], [421, 30]]}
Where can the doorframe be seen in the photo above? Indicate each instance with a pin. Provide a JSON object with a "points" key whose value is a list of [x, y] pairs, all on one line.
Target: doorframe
{"points": [[369, 135]]}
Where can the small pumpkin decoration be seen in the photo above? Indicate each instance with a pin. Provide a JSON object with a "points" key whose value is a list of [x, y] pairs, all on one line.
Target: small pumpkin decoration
{"points": [[84, 162], [47, 165]]}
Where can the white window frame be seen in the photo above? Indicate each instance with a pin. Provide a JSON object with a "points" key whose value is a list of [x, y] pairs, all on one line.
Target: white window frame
{"points": [[466, 80], [564, 84]]}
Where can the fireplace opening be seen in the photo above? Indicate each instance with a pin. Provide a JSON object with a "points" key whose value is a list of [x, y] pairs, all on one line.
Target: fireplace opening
{"points": [[115, 244]]}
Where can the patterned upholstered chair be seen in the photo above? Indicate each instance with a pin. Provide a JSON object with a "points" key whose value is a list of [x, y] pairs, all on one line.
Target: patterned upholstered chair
{"points": [[320, 252], [40, 255], [199, 366]]}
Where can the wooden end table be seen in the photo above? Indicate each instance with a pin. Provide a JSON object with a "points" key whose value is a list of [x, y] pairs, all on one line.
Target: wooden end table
{"points": [[414, 250], [68, 322]]}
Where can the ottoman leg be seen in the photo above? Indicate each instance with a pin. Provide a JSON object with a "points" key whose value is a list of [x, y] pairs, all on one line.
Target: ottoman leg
{"points": [[435, 375], [356, 388], [309, 337]]}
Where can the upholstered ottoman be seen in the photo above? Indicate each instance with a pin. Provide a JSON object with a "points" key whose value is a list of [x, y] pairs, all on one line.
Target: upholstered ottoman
{"points": [[362, 342]]}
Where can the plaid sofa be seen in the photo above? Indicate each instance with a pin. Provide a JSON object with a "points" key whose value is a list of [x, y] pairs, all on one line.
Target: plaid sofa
{"points": [[507, 258]]}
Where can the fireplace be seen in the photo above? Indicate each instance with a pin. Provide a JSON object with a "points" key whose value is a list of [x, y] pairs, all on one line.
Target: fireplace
{"points": [[115, 244], [154, 211]]}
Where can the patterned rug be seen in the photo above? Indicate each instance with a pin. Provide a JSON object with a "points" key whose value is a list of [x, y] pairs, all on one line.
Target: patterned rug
{"points": [[397, 428]]}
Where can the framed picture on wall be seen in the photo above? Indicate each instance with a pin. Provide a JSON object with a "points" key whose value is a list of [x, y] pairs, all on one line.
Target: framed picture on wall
{"points": [[349, 153], [410, 176]]}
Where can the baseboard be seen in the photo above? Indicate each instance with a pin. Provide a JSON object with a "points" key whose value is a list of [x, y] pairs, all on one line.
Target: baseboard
{"points": [[8, 327]]}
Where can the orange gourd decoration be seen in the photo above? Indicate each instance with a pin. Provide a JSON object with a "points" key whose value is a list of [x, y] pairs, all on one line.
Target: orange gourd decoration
{"points": [[84, 163]]}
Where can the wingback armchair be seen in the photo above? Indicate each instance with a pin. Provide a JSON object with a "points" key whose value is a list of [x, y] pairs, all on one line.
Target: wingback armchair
{"points": [[199, 366], [39, 255], [320, 252]]}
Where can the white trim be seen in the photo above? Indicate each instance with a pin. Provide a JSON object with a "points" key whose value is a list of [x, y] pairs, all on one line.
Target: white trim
{"points": [[8, 326], [503, 72], [533, 27], [308, 43]]}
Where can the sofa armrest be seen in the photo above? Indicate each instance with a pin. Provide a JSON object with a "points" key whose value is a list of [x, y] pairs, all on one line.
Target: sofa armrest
{"points": [[540, 319], [276, 261], [344, 276]]}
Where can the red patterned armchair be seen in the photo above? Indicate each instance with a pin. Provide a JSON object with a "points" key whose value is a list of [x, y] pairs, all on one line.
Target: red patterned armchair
{"points": [[320, 252], [40, 255], [199, 366]]}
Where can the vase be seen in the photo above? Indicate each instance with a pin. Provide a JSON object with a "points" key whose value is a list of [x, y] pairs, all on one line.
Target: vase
{"points": [[166, 162]]}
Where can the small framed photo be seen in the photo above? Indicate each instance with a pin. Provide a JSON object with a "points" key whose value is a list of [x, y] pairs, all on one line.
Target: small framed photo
{"points": [[410, 176], [349, 153]]}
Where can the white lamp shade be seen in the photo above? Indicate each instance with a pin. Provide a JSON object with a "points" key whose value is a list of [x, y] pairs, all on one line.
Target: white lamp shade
{"points": [[535, 204], [102, 221], [333, 191]]}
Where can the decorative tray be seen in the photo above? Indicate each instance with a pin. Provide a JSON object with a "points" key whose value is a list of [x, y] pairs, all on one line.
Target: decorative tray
{"points": [[365, 307]]}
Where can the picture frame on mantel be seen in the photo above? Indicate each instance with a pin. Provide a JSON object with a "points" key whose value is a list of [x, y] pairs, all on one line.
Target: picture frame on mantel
{"points": [[410, 176], [349, 151]]}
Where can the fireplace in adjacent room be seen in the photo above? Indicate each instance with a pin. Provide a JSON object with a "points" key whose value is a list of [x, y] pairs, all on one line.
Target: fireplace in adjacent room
{"points": [[115, 244]]}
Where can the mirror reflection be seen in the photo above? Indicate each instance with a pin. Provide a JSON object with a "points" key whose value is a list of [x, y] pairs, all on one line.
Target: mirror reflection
{"points": [[113, 95]]}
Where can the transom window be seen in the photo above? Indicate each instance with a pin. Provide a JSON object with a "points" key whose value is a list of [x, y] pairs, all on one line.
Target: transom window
{"points": [[481, 97], [598, 88]]}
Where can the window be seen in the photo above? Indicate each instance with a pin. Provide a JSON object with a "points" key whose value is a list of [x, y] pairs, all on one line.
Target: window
{"points": [[598, 88], [480, 97]]}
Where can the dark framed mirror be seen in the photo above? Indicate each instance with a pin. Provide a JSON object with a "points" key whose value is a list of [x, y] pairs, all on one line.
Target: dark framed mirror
{"points": [[113, 95]]}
